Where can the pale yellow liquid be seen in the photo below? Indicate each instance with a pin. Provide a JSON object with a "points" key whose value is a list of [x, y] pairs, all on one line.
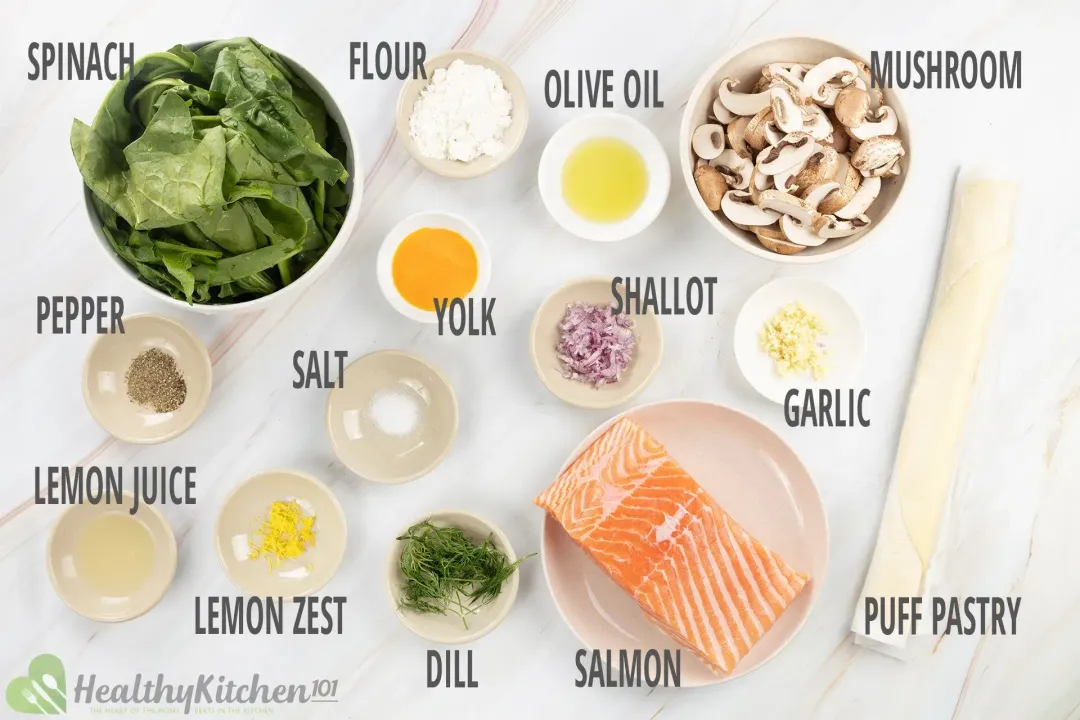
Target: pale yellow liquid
{"points": [[115, 554], [604, 180]]}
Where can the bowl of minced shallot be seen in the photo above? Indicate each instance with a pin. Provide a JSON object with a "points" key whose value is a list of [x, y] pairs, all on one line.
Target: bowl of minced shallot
{"points": [[590, 353]]}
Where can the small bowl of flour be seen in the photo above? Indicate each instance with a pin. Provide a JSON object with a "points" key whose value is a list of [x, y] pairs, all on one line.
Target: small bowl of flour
{"points": [[467, 117]]}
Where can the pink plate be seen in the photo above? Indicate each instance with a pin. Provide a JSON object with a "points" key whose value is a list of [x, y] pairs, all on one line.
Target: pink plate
{"points": [[754, 476]]}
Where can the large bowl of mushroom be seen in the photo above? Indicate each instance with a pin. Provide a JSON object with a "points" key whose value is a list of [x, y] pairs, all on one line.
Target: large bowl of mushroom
{"points": [[791, 153]]}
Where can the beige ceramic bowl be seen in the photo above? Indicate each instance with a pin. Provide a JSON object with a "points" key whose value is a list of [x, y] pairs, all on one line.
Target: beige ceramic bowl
{"points": [[355, 186], [382, 456], [449, 628], [745, 65], [105, 387], [544, 339], [78, 593], [512, 136], [242, 513], [754, 476]]}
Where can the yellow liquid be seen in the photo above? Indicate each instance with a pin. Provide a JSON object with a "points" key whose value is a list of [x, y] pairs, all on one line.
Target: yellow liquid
{"points": [[604, 180], [115, 554]]}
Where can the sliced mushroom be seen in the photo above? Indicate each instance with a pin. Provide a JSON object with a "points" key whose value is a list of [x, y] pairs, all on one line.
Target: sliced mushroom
{"points": [[825, 80], [742, 103], [721, 113], [782, 75], [758, 181], [711, 185], [738, 207], [799, 233], [772, 238], [816, 194], [816, 123], [880, 122], [849, 179], [755, 130], [786, 112], [793, 150], [785, 180], [820, 166], [830, 227], [735, 168], [876, 155], [851, 106], [736, 136], [798, 70], [858, 204], [786, 204], [874, 93], [708, 141], [838, 141], [773, 134]]}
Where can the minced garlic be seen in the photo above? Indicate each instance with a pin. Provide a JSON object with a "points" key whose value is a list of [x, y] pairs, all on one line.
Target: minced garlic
{"points": [[285, 533], [790, 338]]}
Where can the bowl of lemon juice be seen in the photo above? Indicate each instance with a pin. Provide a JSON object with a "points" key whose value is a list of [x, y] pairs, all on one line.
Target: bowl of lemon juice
{"points": [[604, 177]]}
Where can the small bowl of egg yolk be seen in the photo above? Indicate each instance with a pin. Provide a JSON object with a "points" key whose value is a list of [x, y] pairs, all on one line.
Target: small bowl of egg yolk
{"points": [[604, 177], [429, 258]]}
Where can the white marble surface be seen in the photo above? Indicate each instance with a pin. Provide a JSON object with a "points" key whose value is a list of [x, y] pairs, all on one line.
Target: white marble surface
{"points": [[1012, 529]]}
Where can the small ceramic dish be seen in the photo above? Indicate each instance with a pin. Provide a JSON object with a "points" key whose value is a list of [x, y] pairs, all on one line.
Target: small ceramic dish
{"points": [[512, 136], [420, 404], [744, 64], [238, 522], [603, 125], [449, 628], [448, 221], [105, 386], [544, 338], [844, 341], [78, 591]]}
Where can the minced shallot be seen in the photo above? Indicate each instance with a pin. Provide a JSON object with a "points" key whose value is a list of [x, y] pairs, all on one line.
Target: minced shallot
{"points": [[595, 344]]}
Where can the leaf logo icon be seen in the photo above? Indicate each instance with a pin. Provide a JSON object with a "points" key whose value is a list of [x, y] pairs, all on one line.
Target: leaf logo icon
{"points": [[42, 691]]}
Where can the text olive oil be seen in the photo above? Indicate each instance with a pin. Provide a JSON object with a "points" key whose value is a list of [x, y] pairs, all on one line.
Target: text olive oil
{"points": [[115, 554], [604, 180]]}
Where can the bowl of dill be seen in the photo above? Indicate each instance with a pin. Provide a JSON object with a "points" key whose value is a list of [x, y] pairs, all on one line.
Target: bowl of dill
{"points": [[452, 576]]}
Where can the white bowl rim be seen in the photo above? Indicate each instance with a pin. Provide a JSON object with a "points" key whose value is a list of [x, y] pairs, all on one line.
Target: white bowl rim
{"points": [[348, 225], [688, 173], [643, 217], [393, 239]]}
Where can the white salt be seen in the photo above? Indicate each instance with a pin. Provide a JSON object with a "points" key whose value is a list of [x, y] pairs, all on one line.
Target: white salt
{"points": [[394, 412]]}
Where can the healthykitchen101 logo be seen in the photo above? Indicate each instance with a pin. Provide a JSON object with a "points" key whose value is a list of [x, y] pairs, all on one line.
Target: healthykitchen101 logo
{"points": [[42, 691]]}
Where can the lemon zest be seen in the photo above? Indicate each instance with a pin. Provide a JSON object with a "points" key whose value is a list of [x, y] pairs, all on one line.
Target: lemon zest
{"points": [[284, 534]]}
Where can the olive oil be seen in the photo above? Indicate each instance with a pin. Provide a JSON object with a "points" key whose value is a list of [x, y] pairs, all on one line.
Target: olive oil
{"points": [[115, 554], [604, 180]]}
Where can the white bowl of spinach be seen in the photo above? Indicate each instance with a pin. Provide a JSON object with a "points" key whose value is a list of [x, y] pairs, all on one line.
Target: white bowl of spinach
{"points": [[219, 175]]}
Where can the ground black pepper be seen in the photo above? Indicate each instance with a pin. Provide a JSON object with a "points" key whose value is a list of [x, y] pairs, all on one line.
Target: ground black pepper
{"points": [[154, 381]]}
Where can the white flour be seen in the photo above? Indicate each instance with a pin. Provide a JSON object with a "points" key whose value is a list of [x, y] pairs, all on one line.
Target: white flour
{"points": [[461, 114]]}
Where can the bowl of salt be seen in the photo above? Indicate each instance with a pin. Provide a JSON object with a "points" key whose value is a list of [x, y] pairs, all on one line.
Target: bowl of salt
{"points": [[394, 417]]}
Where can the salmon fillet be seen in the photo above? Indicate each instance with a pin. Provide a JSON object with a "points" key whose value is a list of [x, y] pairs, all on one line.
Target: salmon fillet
{"points": [[664, 540]]}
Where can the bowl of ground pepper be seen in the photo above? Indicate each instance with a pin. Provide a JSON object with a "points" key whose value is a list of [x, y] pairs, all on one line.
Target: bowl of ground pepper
{"points": [[149, 383]]}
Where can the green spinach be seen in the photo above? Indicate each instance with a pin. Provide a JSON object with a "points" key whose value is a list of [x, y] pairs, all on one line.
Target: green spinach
{"points": [[217, 174]]}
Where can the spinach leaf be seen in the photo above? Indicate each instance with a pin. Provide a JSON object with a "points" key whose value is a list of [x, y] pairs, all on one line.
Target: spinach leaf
{"points": [[216, 174]]}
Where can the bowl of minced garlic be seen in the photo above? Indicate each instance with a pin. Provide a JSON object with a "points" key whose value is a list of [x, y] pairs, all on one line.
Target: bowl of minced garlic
{"points": [[280, 533], [795, 333]]}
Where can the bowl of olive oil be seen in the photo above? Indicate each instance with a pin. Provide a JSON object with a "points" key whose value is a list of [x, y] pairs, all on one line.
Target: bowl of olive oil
{"points": [[604, 177]]}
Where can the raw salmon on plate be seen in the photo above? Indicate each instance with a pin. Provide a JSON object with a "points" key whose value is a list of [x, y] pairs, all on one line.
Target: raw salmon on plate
{"points": [[663, 539]]}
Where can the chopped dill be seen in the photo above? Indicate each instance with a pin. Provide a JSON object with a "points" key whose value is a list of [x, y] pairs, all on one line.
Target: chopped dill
{"points": [[446, 572]]}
